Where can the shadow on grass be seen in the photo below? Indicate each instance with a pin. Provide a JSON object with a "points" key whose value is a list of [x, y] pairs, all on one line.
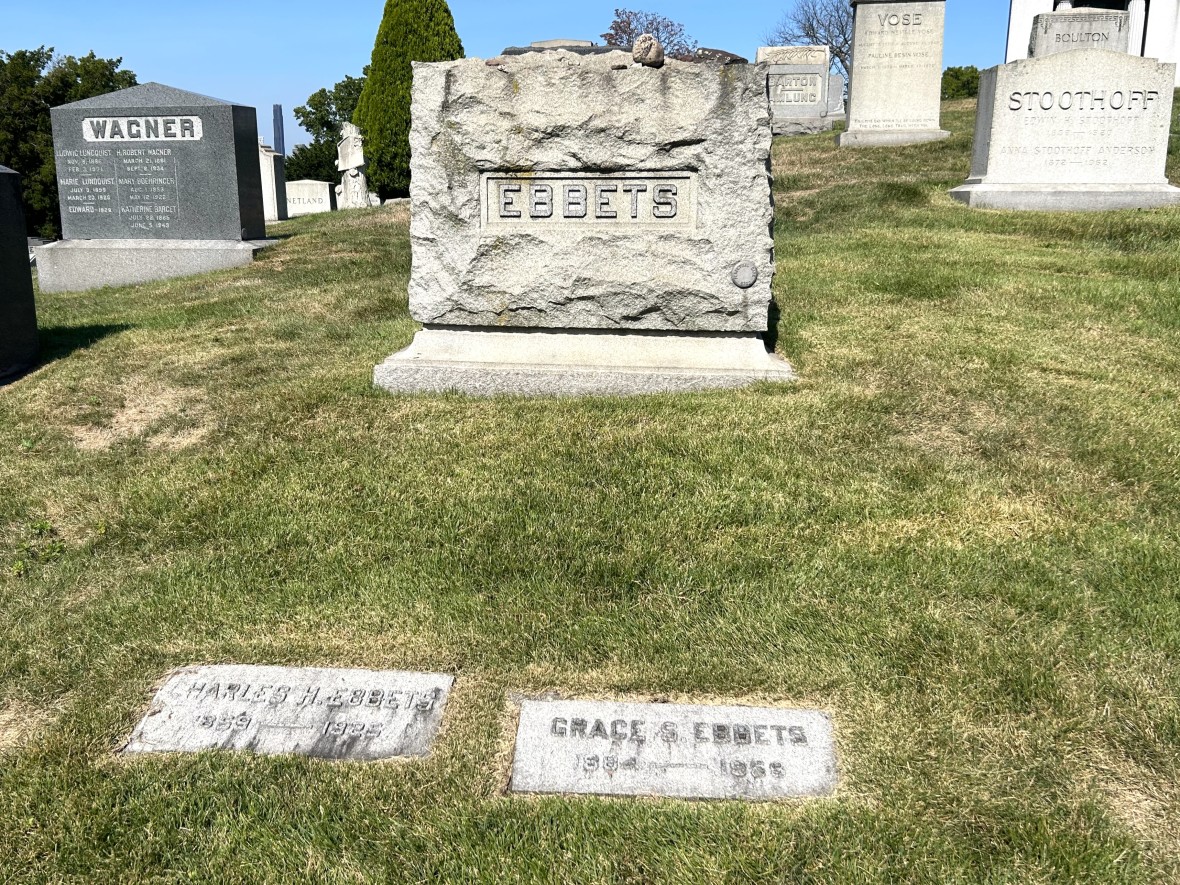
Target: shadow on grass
{"points": [[58, 342]]}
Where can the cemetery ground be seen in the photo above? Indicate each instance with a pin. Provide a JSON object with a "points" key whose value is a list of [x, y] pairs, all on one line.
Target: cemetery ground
{"points": [[959, 533]]}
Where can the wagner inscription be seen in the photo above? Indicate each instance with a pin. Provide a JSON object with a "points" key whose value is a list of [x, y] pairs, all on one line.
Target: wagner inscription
{"points": [[359, 715], [636, 201], [691, 752], [179, 128]]}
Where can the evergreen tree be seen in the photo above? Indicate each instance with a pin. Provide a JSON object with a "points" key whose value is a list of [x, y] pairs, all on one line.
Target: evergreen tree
{"points": [[411, 30]]}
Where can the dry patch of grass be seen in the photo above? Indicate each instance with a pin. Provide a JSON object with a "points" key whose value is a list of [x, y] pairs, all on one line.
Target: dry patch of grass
{"points": [[146, 412], [19, 722]]}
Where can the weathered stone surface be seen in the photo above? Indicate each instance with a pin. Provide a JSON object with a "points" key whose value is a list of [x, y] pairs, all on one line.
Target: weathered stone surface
{"points": [[353, 190], [307, 197], [798, 83], [154, 162], [18, 313], [675, 750], [1073, 131], [648, 51], [1055, 32], [720, 57], [639, 192], [346, 715], [896, 88]]}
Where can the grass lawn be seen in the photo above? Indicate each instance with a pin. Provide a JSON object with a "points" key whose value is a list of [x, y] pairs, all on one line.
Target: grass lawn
{"points": [[959, 533]]}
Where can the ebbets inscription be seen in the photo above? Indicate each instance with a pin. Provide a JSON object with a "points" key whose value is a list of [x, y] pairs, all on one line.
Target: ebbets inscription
{"points": [[353, 715], [666, 201], [676, 750]]}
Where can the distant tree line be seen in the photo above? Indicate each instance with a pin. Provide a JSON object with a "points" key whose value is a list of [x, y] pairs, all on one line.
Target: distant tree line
{"points": [[31, 82]]}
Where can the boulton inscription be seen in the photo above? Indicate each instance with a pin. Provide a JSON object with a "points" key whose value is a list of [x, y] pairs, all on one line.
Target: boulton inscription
{"points": [[360, 715], [640, 201], [142, 129], [677, 750]]}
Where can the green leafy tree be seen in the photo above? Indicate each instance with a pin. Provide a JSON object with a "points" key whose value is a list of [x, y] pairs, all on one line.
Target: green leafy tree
{"points": [[411, 30], [960, 82], [323, 115], [31, 82]]}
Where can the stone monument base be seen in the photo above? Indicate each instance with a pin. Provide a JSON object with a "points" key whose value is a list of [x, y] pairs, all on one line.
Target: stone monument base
{"points": [[590, 362], [1066, 197], [858, 138], [79, 265], [812, 126]]}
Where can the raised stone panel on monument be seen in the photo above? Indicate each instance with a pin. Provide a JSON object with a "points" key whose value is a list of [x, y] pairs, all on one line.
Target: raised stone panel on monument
{"points": [[153, 182], [570, 195], [896, 87], [18, 313], [273, 169], [1055, 32], [1085, 130], [307, 197]]}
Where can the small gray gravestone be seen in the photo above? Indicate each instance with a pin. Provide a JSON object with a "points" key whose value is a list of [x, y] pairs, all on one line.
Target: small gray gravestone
{"points": [[896, 89], [1075, 131], [18, 313], [1055, 32], [307, 197], [676, 750], [798, 81], [585, 225], [154, 182], [345, 715]]}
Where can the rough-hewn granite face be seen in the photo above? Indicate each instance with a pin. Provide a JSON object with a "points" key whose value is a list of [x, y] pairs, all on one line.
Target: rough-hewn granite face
{"points": [[556, 191]]}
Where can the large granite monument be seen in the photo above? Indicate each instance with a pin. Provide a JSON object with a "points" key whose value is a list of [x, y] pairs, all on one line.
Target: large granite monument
{"points": [[18, 314], [581, 224], [154, 182], [895, 91], [1054, 32], [1082, 130], [801, 87]]}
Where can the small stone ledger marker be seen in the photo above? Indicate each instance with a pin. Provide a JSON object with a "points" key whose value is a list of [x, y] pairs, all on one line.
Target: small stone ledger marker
{"points": [[18, 313], [346, 715], [1076, 131], [1054, 32], [675, 750], [895, 94], [154, 182], [583, 225], [805, 97]]}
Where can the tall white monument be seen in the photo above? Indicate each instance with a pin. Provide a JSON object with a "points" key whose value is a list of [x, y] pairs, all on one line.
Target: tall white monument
{"points": [[1154, 25]]}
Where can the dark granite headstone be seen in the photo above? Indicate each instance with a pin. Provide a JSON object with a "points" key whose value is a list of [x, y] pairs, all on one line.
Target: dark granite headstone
{"points": [[154, 182], [18, 315], [153, 162]]}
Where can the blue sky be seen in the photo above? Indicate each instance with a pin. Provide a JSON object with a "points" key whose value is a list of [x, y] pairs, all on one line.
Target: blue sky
{"points": [[262, 52]]}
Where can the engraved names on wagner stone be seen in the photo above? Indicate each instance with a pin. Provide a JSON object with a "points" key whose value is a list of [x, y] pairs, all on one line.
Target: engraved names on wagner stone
{"points": [[1073, 131], [675, 750], [349, 715], [896, 87]]}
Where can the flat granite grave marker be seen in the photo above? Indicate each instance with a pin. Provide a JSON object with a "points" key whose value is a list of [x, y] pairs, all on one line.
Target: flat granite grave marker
{"points": [[583, 225], [1054, 32], [895, 95], [154, 182], [344, 715], [1075, 131], [18, 313], [676, 750]]}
